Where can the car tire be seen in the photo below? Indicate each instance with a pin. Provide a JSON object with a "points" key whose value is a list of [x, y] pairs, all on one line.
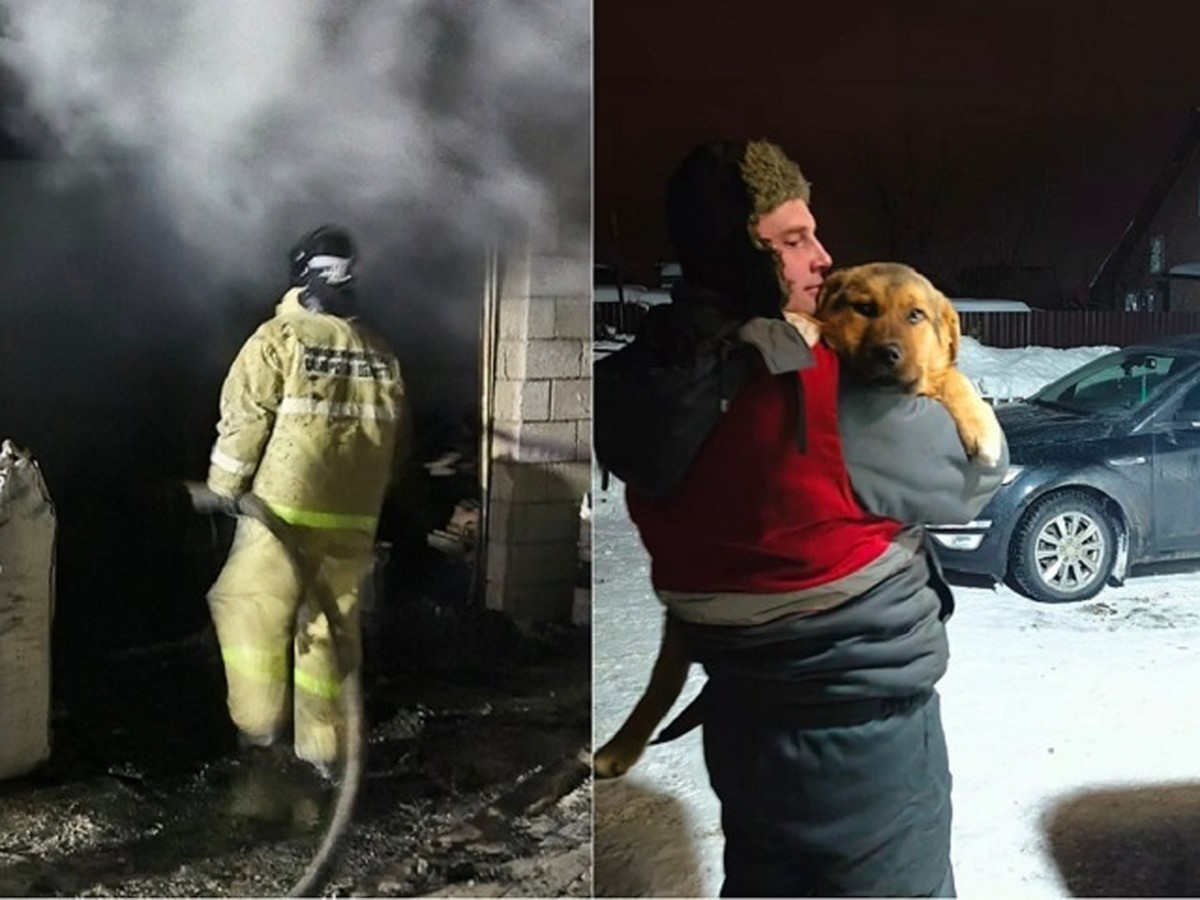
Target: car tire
{"points": [[1063, 549]]}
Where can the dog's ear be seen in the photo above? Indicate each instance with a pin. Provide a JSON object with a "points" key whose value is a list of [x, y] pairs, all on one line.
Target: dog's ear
{"points": [[951, 328], [829, 290]]}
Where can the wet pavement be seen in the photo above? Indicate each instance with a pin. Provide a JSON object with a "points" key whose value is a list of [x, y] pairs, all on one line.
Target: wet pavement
{"points": [[476, 780]]}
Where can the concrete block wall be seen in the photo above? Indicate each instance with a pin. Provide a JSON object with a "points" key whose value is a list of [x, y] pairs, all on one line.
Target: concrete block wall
{"points": [[541, 451]]}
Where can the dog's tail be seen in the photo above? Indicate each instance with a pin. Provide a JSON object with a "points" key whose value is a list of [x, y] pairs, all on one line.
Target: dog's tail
{"points": [[691, 717]]}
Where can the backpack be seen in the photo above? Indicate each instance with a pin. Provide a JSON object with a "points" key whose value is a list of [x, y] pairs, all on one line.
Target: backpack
{"points": [[656, 399]]}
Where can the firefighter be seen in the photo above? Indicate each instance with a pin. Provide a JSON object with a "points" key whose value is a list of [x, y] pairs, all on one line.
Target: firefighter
{"points": [[314, 421]]}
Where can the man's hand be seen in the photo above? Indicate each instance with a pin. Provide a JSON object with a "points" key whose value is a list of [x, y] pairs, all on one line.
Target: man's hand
{"points": [[206, 500]]}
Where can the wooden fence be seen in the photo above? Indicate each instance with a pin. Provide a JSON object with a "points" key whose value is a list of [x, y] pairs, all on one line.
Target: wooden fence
{"points": [[1038, 328], [1076, 328]]}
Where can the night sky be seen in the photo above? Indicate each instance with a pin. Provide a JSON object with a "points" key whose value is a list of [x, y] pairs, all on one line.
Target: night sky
{"points": [[1002, 148]]}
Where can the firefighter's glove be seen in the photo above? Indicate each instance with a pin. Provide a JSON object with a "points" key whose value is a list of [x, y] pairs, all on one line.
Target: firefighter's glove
{"points": [[206, 500]]}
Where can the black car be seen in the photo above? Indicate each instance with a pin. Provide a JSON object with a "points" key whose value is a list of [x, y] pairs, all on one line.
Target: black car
{"points": [[1105, 475]]}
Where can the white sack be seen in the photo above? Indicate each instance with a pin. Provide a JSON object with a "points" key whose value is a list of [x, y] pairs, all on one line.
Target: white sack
{"points": [[27, 527]]}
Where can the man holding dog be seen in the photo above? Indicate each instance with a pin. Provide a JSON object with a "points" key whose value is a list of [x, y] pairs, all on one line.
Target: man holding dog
{"points": [[820, 622]]}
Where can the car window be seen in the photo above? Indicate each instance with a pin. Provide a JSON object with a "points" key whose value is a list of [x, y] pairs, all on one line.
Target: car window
{"points": [[1115, 384], [1183, 410], [1191, 399]]}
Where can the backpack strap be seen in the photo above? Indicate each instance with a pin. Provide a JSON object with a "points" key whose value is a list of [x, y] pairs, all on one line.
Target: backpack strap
{"points": [[782, 347]]}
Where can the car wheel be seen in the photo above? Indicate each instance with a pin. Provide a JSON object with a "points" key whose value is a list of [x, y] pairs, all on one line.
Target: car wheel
{"points": [[1063, 548]]}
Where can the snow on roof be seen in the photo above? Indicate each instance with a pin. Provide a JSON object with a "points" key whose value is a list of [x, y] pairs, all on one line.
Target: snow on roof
{"points": [[988, 304], [633, 293], [1185, 270]]}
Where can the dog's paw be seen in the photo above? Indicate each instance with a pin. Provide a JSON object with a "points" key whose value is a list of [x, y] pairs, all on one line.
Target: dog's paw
{"points": [[613, 760], [990, 459], [986, 447]]}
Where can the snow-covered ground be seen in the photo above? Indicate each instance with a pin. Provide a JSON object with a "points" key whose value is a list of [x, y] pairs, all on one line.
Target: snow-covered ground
{"points": [[1041, 702]]}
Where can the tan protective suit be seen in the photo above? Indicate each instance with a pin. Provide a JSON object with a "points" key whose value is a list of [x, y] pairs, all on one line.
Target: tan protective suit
{"points": [[314, 421]]}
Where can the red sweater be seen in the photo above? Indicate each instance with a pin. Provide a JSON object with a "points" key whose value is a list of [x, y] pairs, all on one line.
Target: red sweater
{"points": [[754, 514]]}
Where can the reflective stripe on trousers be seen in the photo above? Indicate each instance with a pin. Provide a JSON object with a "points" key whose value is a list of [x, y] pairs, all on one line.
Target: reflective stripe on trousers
{"points": [[270, 667], [267, 666], [325, 688]]}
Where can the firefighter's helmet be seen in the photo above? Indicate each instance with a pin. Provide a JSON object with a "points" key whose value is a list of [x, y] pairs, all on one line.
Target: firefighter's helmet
{"points": [[327, 255]]}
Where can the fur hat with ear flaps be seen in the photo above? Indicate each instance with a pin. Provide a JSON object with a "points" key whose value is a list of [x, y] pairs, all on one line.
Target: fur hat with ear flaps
{"points": [[714, 200]]}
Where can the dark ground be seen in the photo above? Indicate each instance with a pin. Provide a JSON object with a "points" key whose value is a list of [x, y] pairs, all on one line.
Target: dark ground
{"points": [[476, 782]]}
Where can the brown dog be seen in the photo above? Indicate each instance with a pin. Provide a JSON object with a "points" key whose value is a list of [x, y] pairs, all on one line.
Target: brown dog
{"points": [[890, 327]]}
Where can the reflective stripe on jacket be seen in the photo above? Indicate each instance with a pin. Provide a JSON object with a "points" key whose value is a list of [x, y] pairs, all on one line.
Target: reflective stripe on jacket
{"points": [[313, 420]]}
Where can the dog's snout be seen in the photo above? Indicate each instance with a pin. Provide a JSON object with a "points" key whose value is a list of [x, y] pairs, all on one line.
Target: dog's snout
{"points": [[889, 354]]}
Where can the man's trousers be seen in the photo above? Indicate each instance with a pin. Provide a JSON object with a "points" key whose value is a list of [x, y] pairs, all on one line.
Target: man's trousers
{"points": [[281, 667], [858, 809]]}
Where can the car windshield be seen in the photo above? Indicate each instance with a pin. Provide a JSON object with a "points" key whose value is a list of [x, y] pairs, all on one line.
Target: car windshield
{"points": [[1115, 384]]}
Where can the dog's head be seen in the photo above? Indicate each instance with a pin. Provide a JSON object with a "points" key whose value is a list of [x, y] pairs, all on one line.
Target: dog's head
{"points": [[889, 325]]}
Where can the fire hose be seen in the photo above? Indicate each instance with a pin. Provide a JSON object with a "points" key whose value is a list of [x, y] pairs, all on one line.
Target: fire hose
{"points": [[317, 872]]}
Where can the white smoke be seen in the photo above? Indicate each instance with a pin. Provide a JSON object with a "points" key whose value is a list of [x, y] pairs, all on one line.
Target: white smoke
{"points": [[252, 117]]}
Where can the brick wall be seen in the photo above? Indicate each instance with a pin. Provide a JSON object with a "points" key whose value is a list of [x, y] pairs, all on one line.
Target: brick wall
{"points": [[539, 465]]}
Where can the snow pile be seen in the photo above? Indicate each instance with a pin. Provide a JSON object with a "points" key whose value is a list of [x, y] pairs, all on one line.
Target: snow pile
{"points": [[1000, 374], [1004, 374]]}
